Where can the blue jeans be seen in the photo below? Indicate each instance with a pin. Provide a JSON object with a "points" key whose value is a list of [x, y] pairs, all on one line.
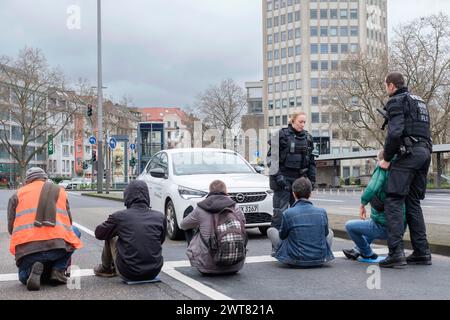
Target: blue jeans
{"points": [[57, 259], [363, 233]]}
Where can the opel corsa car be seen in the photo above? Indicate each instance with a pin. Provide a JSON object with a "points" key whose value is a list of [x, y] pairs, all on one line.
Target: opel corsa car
{"points": [[179, 178]]}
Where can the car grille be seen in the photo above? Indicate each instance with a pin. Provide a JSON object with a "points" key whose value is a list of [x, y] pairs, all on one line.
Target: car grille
{"points": [[247, 197], [259, 217]]}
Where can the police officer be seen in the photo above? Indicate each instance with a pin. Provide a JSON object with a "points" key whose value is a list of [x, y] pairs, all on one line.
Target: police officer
{"points": [[408, 137], [290, 157]]}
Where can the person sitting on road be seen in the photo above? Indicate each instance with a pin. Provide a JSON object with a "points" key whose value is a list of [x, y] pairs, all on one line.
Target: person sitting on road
{"points": [[219, 245], [42, 236], [363, 232], [133, 238], [304, 239]]}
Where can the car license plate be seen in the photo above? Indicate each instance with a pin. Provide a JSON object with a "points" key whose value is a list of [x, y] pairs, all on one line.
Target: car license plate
{"points": [[249, 209]]}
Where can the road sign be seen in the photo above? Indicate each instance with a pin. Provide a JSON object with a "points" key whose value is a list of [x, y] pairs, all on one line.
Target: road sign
{"points": [[50, 146], [92, 140], [112, 143], [132, 146]]}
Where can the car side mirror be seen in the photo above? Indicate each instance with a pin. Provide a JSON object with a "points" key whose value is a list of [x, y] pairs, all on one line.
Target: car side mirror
{"points": [[259, 169], [159, 173]]}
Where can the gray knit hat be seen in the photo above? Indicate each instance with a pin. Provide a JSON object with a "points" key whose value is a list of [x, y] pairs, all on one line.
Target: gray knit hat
{"points": [[35, 173]]}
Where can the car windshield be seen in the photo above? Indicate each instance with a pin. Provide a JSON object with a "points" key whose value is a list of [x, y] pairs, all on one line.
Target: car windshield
{"points": [[208, 162]]}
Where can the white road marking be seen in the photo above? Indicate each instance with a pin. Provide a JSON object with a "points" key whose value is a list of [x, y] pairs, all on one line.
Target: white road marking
{"points": [[439, 199], [89, 232], [75, 194], [326, 200]]}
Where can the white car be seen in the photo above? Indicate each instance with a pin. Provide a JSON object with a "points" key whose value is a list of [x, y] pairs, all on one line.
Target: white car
{"points": [[64, 183], [179, 178]]}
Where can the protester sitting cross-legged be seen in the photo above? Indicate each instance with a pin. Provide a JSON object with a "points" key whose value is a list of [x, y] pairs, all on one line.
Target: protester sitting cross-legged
{"points": [[363, 232], [304, 239], [133, 238], [219, 245]]}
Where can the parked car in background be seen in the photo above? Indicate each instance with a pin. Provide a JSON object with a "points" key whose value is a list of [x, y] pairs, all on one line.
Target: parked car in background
{"points": [[77, 183], [179, 178], [64, 183]]}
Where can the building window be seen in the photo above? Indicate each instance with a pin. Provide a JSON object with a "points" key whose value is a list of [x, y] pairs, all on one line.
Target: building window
{"points": [[314, 65], [313, 13], [270, 105], [314, 32], [284, 120], [315, 101], [314, 48], [353, 13], [277, 121], [324, 31], [270, 121], [315, 117], [314, 83]]}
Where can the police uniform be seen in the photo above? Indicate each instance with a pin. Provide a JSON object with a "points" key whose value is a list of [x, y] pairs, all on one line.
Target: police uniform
{"points": [[409, 138], [290, 157]]}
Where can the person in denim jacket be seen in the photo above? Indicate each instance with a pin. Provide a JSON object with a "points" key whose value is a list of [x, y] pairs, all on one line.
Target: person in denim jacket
{"points": [[304, 239]]}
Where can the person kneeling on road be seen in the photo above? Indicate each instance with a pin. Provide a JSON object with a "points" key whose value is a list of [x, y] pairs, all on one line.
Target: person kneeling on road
{"points": [[133, 238], [363, 232], [42, 236], [304, 239], [219, 245]]}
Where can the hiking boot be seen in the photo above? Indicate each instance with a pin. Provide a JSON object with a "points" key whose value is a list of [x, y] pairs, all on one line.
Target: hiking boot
{"points": [[419, 260], [101, 271], [393, 261], [58, 277], [34, 280]]}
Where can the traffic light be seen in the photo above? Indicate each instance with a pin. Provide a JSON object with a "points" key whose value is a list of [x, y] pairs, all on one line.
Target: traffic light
{"points": [[85, 165], [94, 156], [89, 110], [133, 162]]}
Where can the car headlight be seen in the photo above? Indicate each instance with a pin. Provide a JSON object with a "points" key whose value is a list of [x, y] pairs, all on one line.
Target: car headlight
{"points": [[270, 192], [187, 193]]}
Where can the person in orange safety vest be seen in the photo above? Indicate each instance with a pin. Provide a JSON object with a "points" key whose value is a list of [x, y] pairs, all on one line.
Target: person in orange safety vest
{"points": [[43, 238]]}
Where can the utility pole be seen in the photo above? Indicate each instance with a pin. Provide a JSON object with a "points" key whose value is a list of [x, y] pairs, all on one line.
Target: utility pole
{"points": [[100, 100]]}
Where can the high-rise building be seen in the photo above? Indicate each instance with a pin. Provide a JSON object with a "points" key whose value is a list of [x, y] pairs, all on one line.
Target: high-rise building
{"points": [[304, 42]]}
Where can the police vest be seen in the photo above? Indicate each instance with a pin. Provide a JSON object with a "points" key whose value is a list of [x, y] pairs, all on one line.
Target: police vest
{"points": [[295, 154], [24, 230], [417, 118]]}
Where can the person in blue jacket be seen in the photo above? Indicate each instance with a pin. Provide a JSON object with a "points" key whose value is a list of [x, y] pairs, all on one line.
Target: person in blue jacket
{"points": [[364, 231]]}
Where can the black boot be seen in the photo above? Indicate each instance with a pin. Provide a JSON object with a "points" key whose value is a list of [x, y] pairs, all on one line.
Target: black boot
{"points": [[351, 254], [414, 259], [58, 277], [34, 280], [393, 260]]}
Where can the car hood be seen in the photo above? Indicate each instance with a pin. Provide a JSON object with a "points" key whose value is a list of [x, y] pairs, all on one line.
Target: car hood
{"points": [[234, 182]]}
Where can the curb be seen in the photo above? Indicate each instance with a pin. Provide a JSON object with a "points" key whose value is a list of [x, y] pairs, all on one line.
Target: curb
{"points": [[434, 248], [101, 196]]}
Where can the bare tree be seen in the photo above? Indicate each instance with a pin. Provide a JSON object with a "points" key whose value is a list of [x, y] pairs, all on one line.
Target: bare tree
{"points": [[357, 92], [221, 107], [421, 51], [35, 101]]}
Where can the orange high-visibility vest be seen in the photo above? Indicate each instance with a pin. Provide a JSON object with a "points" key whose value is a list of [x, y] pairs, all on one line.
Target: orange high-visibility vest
{"points": [[24, 230]]}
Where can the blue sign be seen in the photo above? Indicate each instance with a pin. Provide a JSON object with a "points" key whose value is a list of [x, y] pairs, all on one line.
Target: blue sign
{"points": [[257, 154], [112, 143], [92, 140], [132, 146]]}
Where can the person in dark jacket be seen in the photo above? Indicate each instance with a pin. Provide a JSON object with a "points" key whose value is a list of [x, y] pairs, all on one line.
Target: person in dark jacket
{"points": [[202, 219], [363, 232], [133, 238]]}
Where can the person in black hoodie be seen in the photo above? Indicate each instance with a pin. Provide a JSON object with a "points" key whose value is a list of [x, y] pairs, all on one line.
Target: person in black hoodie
{"points": [[133, 238]]}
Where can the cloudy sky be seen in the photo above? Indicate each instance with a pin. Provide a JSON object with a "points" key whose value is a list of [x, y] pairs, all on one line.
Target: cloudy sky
{"points": [[159, 52]]}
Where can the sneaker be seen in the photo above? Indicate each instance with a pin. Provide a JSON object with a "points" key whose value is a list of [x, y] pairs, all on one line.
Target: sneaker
{"points": [[34, 280], [101, 271], [351, 254], [58, 277], [372, 257]]}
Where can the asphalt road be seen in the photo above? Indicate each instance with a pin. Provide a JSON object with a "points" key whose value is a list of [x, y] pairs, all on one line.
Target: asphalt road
{"points": [[261, 278]]}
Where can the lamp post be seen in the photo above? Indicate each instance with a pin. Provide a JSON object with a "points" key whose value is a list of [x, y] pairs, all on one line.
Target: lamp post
{"points": [[99, 100]]}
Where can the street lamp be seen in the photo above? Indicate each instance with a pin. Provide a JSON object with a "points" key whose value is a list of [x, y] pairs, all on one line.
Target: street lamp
{"points": [[100, 100]]}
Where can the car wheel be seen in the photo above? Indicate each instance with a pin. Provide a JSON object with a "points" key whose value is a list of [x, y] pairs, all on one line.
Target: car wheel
{"points": [[173, 231], [263, 230]]}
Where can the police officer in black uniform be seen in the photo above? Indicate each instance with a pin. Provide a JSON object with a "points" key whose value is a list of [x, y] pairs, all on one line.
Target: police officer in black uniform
{"points": [[290, 157], [409, 138]]}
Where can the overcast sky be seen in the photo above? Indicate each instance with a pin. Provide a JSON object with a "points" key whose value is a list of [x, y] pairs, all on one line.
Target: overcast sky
{"points": [[159, 52]]}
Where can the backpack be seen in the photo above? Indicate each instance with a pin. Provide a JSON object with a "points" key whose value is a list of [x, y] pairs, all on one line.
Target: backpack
{"points": [[228, 241]]}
